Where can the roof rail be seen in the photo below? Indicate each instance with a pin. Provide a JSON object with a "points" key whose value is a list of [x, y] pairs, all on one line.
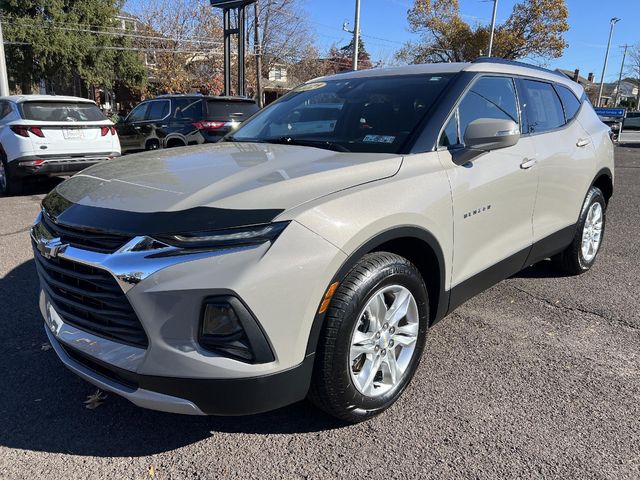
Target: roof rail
{"points": [[504, 61]]}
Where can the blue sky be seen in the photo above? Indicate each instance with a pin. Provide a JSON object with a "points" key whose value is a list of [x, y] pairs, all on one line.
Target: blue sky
{"points": [[384, 28]]}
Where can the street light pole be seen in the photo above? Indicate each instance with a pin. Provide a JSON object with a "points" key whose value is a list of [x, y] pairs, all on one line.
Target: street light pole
{"points": [[356, 36], [624, 57], [493, 25], [4, 82], [613, 22]]}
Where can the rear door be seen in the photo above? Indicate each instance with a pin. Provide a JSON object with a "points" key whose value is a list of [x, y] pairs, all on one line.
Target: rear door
{"points": [[186, 113], [493, 195], [565, 159]]}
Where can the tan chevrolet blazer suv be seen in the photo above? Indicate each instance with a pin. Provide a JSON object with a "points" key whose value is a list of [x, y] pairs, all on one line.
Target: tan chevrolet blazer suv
{"points": [[308, 253]]}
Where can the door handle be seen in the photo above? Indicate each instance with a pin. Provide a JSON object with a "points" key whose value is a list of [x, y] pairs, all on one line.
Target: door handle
{"points": [[583, 142], [527, 163], [137, 128]]}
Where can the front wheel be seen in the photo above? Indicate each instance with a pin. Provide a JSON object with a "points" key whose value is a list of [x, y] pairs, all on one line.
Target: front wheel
{"points": [[373, 338], [580, 255]]}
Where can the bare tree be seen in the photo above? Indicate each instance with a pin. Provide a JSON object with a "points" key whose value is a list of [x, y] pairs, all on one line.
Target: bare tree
{"points": [[633, 70], [183, 43]]}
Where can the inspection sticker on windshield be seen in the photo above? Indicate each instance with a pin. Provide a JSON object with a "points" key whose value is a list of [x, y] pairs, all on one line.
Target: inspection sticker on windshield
{"points": [[379, 139], [309, 86]]}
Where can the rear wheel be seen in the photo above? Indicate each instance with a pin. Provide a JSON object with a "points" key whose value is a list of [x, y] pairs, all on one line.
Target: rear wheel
{"points": [[9, 184], [373, 338], [581, 254]]}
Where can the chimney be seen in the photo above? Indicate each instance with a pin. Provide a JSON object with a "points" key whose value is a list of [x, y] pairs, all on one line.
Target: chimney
{"points": [[576, 75], [590, 78]]}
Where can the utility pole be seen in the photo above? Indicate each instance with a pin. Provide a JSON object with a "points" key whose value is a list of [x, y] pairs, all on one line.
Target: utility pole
{"points": [[4, 82], [257, 43], [493, 25], [356, 36], [613, 22], [624, 57]]}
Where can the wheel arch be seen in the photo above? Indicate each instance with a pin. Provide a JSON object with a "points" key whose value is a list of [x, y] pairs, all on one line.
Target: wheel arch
{"points": [[417, 245], [604, 181], [175, 140]]}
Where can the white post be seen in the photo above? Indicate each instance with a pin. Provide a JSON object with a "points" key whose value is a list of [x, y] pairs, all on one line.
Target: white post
{"points": [[493, 25], [356, 36], [4, 82]]}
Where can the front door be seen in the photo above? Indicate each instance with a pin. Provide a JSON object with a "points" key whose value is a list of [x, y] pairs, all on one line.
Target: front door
{"points": [[493, 195], [130, 130]]}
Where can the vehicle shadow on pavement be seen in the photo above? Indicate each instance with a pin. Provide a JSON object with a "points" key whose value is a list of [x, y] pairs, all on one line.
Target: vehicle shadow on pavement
{"points": [[544, 269], [42, 405]]}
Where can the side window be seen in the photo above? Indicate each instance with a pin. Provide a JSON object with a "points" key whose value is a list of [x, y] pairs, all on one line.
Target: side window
{"points": [[5, 109], [542, 106], [158, 109], [188, 109], [569, 101], [139, 113], [489, 97]]}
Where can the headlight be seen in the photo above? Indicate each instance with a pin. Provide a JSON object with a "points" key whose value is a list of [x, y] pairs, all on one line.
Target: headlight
{"points": [[253, 235]]}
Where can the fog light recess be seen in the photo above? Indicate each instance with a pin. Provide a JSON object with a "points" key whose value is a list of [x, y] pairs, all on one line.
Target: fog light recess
{"points": [[228, 328]]}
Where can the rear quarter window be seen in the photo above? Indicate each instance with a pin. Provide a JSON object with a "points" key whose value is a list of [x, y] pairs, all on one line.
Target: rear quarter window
{"points": [[542, 106], [569, 101], [61, 112], [219, 110]]}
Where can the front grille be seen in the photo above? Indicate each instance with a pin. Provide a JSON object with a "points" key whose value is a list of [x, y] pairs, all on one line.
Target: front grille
{"points": [[90, 299], [86, 239]]}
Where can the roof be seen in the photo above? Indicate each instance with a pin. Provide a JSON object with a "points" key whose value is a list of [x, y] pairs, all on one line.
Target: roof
{"points": [[221, 98], [45, 98], [483, 64]]}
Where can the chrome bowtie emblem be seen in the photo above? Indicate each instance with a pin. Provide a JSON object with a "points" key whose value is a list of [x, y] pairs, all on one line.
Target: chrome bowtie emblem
{"points": [[51, 248]]}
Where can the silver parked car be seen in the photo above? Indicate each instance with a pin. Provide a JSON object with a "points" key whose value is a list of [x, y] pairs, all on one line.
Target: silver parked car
{"points": [[308, 254]]}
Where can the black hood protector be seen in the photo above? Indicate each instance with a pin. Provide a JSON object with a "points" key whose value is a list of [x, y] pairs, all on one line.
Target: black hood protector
{"points": [[197, 219]]}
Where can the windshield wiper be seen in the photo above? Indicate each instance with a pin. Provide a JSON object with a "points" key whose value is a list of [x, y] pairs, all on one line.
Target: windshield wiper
{"points": [[305, 142]]}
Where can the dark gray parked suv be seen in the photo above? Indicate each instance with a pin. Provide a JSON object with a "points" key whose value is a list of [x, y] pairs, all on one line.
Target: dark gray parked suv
{"points": [[179, 120]]}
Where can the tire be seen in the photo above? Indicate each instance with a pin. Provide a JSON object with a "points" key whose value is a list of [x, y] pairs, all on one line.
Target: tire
{"points": [[339, 382], [173, 143], [152, 145], [9, 184], [575, 260]]}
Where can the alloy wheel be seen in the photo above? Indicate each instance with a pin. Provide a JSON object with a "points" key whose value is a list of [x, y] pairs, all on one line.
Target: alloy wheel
{"points": [[592, 232], [384, 340]]}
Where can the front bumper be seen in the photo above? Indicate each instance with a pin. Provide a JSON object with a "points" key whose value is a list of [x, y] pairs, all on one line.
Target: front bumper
{"points": [[282, 285], [190, 396], [58, 165]]}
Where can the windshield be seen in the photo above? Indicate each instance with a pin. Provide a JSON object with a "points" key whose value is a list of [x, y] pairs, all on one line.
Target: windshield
{"points": [[49, 111], [374, 114]]}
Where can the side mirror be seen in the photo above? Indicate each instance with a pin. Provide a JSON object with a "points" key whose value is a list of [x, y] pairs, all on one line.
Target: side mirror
{"points": [[486, 134]]}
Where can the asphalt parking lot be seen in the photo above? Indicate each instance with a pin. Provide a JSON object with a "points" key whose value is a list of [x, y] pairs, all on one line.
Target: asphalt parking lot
{"points": [[539, 377]]}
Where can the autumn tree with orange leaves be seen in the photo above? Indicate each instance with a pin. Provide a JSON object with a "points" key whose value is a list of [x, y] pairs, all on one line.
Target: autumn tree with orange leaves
{"points": [[534, 30]]}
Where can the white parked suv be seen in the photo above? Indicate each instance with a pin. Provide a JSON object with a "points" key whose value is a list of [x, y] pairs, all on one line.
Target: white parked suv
{"points": [[310, 251], [51, 135]]}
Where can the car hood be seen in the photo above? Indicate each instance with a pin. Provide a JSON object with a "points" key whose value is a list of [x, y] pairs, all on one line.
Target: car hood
{"points": [[228, 184]]}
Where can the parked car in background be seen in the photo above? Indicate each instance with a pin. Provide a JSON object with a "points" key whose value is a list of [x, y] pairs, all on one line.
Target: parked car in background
{"points": [[178, 120], [51, 135], [632, 121]]}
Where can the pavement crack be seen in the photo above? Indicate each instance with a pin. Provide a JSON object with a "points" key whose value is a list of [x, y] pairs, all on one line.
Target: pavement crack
{"points": [[25, 229], [567, 308]]}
